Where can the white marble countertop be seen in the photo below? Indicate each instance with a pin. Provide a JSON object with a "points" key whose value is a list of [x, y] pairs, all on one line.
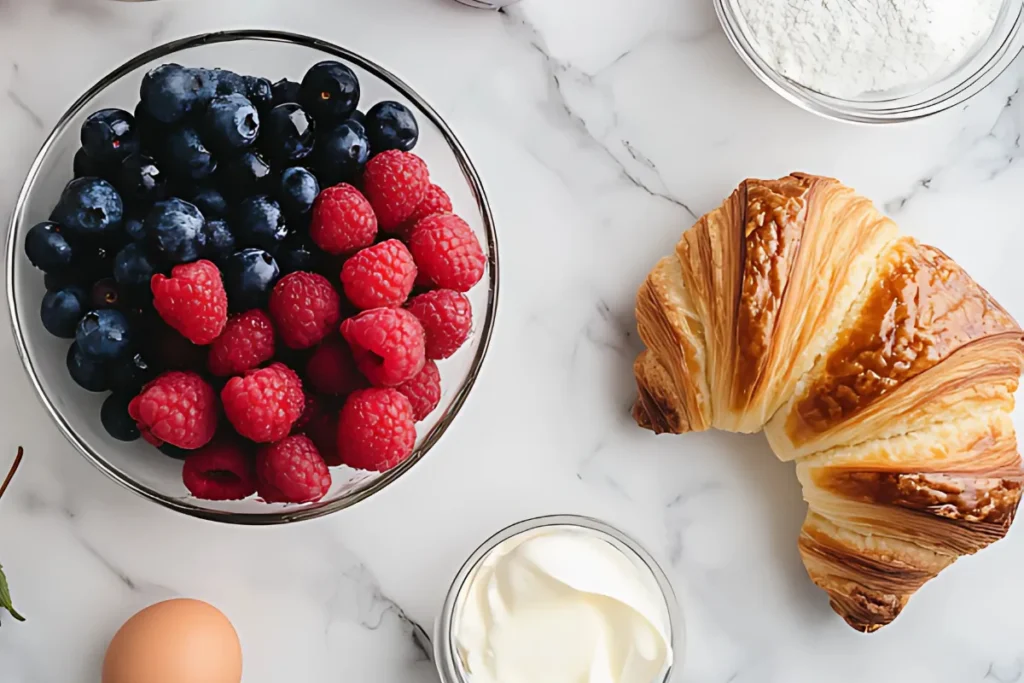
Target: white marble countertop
{"points": [[600, 127]]}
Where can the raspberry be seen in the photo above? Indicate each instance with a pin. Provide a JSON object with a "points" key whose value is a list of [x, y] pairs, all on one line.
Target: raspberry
{"points": [[376, 429], [167, 349], [447, 319], [342, 220], [178, 408], [331, 369], [310, 410], [246, 342], [263, 404], [387, 344], [395, 183], [220, 471], [192, 301], [305, 308], [447, 252], [434, 201], [292, 471], [379, 276], [423, 390], [323, 431]]}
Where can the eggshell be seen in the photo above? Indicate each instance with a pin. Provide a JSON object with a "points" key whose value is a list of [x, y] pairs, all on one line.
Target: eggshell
{"points": [[177, 641]]}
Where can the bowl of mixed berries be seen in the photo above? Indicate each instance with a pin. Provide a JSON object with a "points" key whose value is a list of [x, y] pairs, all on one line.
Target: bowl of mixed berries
{"points": [[252, 276]]}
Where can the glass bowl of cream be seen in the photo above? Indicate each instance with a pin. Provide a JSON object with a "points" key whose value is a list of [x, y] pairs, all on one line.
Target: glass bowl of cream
{"points": [[556, 599], [875, 61]]}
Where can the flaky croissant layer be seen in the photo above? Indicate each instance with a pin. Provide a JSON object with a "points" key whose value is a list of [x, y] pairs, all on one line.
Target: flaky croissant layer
{"points": [[872, 360]]}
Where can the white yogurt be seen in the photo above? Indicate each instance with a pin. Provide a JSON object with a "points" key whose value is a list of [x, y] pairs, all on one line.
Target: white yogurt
{"points": [[562, 605]]}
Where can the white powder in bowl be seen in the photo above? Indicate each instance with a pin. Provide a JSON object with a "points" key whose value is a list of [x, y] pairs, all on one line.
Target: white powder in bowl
{"points": [[848, 48]]}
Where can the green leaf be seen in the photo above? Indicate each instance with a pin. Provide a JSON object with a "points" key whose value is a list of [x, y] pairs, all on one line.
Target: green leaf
{"points": [[5, 597]]}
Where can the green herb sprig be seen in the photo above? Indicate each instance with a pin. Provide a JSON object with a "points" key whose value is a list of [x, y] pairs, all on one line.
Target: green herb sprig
{"points": [[5, 591]]}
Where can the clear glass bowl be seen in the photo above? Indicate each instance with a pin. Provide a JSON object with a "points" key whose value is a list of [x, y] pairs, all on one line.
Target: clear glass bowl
{"points": [[446, 658], [137, 465], [971, 76]]}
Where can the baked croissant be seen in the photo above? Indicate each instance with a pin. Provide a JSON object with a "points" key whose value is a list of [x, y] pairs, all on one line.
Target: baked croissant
{"points": [[874, 361]]}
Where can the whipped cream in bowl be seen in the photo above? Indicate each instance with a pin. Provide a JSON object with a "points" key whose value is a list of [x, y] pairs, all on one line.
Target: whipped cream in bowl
{"points": [[560, 599]]}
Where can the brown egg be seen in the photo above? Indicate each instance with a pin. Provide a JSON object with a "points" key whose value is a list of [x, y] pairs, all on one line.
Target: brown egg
{"points": [[177, 641]]}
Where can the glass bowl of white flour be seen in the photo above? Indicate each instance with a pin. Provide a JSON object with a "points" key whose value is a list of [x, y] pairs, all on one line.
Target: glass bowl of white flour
{"points": [[875, 61]]}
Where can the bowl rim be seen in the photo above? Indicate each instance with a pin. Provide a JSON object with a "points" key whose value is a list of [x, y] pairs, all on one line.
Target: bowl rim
{"points": [[485, 330]]}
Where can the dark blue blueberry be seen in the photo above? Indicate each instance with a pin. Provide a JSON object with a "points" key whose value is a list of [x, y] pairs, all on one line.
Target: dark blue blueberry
{"points": [[89, 208], [186, 156], [151, 131], [174, 452], [245, 175], [288, 134], [174, 229], [210, 201], [228, 82], [285, 91], [61, 310], [88, 373], [86, 167], [330, 92], [130, 374], [296, 253], [390, 125], [297, 191], [231, 123], [109, 135], [115, 418], [55, 281], [220, 241], [47, 249], [248, 276], [341, 154], [358, 117], [169, 92], [260, 92], [93, 262], [134, 228], [140, 181], [104, 293], [259, 222], [104, 335], [132, 266]]}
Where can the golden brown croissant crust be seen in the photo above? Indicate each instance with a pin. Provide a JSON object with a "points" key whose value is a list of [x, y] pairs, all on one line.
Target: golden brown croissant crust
{"points": [[874, 361]]}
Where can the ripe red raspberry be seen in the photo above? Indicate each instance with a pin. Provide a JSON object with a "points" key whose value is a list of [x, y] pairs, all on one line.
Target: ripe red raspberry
{"points": [[376, 429], [342, 220], [447, 251], [246, 342], [305, 308], [387, 344], [220, 471], [310, 410], [434, 201], [192, 300], [447, 319], [292, 471], [332, 370], [423, 390], [323, 432], [178, 408], [395, 183], [379, 276], [263, 404], [166, 348]]}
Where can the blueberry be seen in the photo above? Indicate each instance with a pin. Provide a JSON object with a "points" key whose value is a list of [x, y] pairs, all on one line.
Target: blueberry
{"points": [[186, 156], [86, 167], [260, 92], [330, 92], [115, 418], [174, 229], [104, 294], [132, 266], [296, 253], [245, 175], [288, 134], [55, 281], [61, 311], [297, 191], [134, 228], [259, 222], [130, 374], [109, 135], [341, 154], [103, 335], [47, 249], [220, 241], [93, 262], [285, 91], [88, 373], [140, 181], [210, 202], [228, 82], [358, 117], [248, 276], [390, 125], [89, 208], [151, 131], [169, 92], [231, 123]]}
